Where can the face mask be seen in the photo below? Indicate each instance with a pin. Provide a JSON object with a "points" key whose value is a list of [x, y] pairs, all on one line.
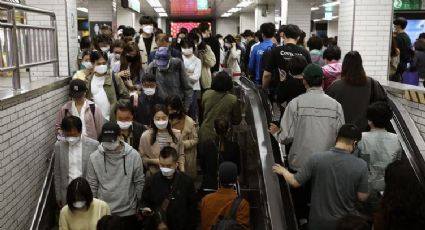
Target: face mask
{"points": [[148, 91], [72, 140], [101, 69], [105, 49], [86, 65], [148, 29], [124, 124], [161, 124], [79, 204], [175, 115], [179, 40], [111, 146], [227, 45], [167, 172], [187, 52], [117, 56]]}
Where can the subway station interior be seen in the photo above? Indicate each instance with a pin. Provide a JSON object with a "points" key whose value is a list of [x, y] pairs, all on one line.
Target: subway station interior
{"points": [[320, 103]]}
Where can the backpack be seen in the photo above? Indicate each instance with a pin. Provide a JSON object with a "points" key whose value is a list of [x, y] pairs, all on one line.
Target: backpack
{"points": [[229, 222]]}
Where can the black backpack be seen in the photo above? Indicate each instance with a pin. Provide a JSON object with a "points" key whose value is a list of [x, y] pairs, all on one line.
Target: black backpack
{"points": [[229, 222]]}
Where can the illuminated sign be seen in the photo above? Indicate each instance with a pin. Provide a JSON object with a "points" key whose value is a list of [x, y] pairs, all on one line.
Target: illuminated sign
{"points": [[202, 4], [409, 4], [131, 4]]}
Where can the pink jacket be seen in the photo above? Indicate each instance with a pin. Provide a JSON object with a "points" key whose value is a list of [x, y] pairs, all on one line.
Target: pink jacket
{"points": [[93, 124], [331, 73]]}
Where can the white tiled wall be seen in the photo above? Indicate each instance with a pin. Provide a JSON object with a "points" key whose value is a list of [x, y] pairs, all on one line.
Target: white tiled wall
{"points": [[100, 10], [227, 26], [247, 21], [371, 33], [26, 142], [299, 13]]}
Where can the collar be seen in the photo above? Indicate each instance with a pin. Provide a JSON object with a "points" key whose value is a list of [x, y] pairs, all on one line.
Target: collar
{"points": [[315, 90], [338, 150]]}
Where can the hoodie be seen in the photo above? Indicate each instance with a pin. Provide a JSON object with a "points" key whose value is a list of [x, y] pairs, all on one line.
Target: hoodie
{"points": [[331, 73], [117, 178]]}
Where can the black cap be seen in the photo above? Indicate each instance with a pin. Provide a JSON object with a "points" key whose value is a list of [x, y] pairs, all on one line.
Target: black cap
{"points": [[228, 173], [77, 88], [110, 132], [350, 131]]}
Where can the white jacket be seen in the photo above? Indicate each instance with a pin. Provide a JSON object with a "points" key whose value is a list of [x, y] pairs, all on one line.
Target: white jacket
{"points": [[193, 68]]}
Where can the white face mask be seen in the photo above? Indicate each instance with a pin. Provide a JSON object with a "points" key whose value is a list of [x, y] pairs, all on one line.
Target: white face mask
{"points": [[79, 204], [167, 172], [87, 65], [187, 52], [124, 124], [161, 124], [101, 69], [105, 49], [72, 140], [111, 146], [179, 40], [148, 29], [117, 56], [148, 91], [227, 45]]}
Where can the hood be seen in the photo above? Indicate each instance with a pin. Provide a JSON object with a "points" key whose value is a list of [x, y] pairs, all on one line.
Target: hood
{"points": [[333, 69], [118, 155]]}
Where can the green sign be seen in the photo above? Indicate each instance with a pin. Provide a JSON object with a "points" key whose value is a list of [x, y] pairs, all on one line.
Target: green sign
{"points": [[408, 4]]}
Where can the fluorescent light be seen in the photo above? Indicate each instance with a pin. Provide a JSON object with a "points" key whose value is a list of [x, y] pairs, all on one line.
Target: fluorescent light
{"points": [[329, 4], [244, 3], [163, 14], [225, 15], [159, 10], [314, 8], [154, 3], [317, 20], [234, 10], [82, 9], [277, 19]]}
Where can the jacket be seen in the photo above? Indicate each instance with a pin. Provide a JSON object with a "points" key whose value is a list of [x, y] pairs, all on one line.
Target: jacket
{"points": [[144, 107], [137, 130], [218, 204], [151, 152], [145, 53], [193, 67], [217, 104], [331, 73], [81, 74], [208, 60], [233, 60], [255, 61], [182, 212], [117, 178], [215, 48], [172, 81], [61, 166], [307, 117], [189, 139], [111, 92], [419, 60], [83, 219], [175, 53], [93, 123]]}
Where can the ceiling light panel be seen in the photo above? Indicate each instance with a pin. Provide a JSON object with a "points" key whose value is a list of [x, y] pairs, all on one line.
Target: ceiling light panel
{"points": [[234, 10], [330, 4], [154, 3], [163, 14], [244, 3], [159, 10]]}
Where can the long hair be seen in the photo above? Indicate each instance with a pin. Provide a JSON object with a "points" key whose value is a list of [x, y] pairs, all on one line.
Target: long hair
{"points": [[403, 204], [164, 109], [394, 48], [136, 65], [352, 69]]}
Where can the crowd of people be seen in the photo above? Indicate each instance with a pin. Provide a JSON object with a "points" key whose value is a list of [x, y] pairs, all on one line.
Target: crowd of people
{"points": [[145, 141]]}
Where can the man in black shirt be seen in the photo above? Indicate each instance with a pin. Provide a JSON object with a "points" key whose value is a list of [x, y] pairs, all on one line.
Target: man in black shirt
{"points": [[213, 42], [131, 131], [281, 55], [403, 43]]}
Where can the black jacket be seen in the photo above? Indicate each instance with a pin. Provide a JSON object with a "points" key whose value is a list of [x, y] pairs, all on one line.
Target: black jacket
{"points": [[182, 212], [215, 47], [137, 129], [144, 107]]}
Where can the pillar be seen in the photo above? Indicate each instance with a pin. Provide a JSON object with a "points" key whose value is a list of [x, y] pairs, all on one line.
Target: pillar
{"points": [[365, 26], [299, 13], [126, 17], [247, 21], [263, 13]]}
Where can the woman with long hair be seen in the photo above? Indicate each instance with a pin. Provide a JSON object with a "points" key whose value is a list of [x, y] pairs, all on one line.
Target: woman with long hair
{"points": [[160, 134], [394, 60], [232, 57], [131, 67]]}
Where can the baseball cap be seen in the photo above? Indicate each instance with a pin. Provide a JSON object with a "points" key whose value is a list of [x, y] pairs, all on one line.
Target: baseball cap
{"points": [[228, 173], [312, 72], [162, 57], [77, 88], [350, 131], [110, 132]]}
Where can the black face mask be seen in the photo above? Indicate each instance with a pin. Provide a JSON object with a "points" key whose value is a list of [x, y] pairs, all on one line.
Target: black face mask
{"points": [[175, 115], [130, 58]]}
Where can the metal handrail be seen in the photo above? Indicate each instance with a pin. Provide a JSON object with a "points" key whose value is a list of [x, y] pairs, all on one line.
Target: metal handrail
{"points": [[28, 45]]}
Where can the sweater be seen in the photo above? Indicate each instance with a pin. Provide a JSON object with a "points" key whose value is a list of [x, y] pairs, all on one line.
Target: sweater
{"points": [[83, 219]]}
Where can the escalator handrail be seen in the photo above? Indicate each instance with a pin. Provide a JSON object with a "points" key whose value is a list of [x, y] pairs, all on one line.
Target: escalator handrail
{"points": [[410, 138]]}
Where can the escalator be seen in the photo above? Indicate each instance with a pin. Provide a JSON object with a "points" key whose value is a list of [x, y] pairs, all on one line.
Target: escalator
{"points": [[268, 195]]}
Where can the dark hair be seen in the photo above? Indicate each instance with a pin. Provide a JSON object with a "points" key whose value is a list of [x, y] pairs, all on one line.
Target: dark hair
{"points": [[268, 29], [124, 107], [169, 151], [229, 38], [79, 188], [109, 222], [301, 39], [379, 113], [136, 65], [352, 222], [297, 65], [117, 43], [403, 204], [161, 37], [352, 70], [195, 35], [332, 53], [421, 36], [394, 52], [146, 20], [186, 42], [248, 33], [221, 126], [101, 39], [85, 53], [183, 30], [420, 45], [85, 42], [176, 103], [128, 31], [71, 122], [222, 82], [315, 43], [258, 36], [148, 77], [204, 26], [400, 21], [291, 31], [96, 55], [164, 109]]}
